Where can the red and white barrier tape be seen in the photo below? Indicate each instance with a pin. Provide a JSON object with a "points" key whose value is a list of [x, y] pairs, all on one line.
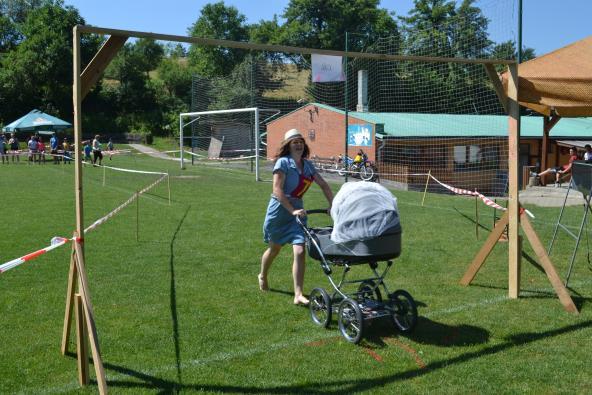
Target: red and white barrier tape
{"points": [[60, 241], [485, 199], [100, 221], [55, 243]]}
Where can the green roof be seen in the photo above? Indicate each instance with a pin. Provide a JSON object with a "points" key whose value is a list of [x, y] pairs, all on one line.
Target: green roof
{"points": [[451, 125]]}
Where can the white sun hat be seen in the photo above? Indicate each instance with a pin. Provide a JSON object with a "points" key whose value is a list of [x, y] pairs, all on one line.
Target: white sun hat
{"points": [[291, 134]]}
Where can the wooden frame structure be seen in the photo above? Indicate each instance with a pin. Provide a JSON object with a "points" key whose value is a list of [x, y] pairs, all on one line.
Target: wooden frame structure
{"points": [[83, 82]]}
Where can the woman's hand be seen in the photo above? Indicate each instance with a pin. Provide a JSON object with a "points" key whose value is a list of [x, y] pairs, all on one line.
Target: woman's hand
{"points": [[299, 213]]}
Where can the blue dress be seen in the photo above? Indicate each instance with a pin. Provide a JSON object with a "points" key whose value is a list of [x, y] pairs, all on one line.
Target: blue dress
{"points": [[280, 225]]}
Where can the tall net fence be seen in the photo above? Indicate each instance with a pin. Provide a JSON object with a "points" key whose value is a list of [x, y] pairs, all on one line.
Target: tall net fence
{"points": [[410, 117]]}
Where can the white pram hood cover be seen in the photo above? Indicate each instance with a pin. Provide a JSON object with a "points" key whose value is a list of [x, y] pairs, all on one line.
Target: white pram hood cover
{"points": [[362, 211]]}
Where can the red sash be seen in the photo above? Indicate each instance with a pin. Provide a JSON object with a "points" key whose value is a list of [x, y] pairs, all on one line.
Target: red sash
{"points": [[303, 184]]}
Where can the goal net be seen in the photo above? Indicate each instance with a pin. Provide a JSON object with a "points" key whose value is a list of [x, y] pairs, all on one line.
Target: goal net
{"points": [[416, 117]]}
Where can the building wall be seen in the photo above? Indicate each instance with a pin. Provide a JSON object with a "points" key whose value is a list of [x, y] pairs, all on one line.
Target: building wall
{"points": [[323, 130]]}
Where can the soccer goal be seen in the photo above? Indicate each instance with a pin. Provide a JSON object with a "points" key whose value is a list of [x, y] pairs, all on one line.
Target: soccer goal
{"points": [[230, 135]]}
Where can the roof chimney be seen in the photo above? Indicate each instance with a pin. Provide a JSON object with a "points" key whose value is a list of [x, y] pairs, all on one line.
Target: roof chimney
{"points": [[362, 91]]}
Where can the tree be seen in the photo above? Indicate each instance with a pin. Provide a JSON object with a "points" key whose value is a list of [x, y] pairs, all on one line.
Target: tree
{"points": [[148, 54], [220, 22], [323, 23], [34, 74], [507, 51]]}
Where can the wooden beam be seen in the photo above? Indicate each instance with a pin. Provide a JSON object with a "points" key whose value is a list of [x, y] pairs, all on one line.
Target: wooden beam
{"points": [[546, 263], [99, 63], [81, 342], [514, 253], [91, 328], [548, 123], [497, 85], [484, 252], [72, 284], [281, 48]]}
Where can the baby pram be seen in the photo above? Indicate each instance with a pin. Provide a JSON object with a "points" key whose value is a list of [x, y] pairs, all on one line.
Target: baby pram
{"points": [[366, 301]]}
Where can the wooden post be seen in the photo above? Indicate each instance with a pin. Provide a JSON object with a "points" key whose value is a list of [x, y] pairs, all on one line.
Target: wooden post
{"points": [[81, 342], [77, 243], [514, 252], [72, 283], [425, 191]]}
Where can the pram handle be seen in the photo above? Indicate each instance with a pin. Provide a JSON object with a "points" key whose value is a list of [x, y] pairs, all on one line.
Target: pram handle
{"points": [[317, 211]]}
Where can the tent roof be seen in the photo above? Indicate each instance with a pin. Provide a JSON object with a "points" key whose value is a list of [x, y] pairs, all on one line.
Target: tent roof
{"points": [[36, 120], [559, 82]]}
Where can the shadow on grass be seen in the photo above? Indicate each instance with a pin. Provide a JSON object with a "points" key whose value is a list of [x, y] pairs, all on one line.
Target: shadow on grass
{"points": [[428, 332], [355, 384], [471, 220], [173, 296]]}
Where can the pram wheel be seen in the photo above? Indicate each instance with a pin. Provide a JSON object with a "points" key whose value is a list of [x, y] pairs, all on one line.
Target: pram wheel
{"points": [[350, 320], [369, 290], [404, 310], [320, 307]]}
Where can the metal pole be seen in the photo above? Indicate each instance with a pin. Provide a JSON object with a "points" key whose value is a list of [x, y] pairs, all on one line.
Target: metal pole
{"points": [[257, 144], [346, 106], [181, 139], [519, 55]]}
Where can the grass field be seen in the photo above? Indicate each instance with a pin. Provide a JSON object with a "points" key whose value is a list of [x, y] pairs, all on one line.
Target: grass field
{"points": [[179, 310]]}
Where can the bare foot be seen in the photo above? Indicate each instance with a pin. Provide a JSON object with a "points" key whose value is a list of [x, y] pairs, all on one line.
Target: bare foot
{"points": [[300, 301], [263, 286]]}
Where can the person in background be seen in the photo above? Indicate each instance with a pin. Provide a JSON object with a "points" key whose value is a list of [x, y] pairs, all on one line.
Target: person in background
{"points": [[41, 149], [14, 147], [3, 149], [292, 176], [588, 153], [96, 149], [67, 151], [110, 148], [53, 146], [32, 145], [560, 170], [87, 149]]}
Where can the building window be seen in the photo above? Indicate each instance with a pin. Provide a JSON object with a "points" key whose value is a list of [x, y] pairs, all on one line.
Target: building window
{"points": [[474, 157], [311, 134]]}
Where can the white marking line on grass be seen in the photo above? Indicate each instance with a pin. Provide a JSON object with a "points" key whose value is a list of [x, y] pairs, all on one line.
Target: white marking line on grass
{"points": [[249, 352]]}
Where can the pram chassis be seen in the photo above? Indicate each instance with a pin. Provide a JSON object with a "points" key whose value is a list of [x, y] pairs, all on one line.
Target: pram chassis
{"points": [[364, 305]]}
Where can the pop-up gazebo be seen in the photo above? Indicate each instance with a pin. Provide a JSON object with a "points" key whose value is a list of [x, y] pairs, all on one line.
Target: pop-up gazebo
{"points": [[36, 120]]}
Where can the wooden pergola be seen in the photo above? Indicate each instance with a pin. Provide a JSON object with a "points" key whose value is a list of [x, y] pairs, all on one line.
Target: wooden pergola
{"points": [[78, 296]]}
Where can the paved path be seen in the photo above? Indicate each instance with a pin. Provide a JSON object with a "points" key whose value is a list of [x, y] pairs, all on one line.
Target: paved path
{"points": [[152, 152], [550, 196]]}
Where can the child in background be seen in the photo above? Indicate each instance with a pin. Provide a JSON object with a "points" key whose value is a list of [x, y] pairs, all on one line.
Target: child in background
{"points": [[87, 150], [66, 148], [110, 148]]}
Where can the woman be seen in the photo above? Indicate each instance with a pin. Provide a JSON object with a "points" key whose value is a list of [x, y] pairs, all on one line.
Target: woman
{"points": [[96, 149], [292, 176]]}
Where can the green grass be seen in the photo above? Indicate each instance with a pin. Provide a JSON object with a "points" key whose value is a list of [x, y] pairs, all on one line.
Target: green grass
{"points": [[179, 310]]}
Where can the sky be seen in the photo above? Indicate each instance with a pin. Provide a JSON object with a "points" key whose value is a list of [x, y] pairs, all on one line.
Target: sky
{"points": [[547, 24]]}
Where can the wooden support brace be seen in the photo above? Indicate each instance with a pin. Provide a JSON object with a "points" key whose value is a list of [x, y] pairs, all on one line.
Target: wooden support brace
{"points": [[72, 284], [497, 85], [90, 321], [484, 252], [546, 263], [81, 342], [99, 63]]}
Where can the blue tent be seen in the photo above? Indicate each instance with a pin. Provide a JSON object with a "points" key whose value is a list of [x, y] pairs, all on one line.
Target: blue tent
{"points": [[35, 121]]}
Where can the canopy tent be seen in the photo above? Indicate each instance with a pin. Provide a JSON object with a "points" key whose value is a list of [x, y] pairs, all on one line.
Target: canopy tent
{"points": [[558, 83], [35, 121]]}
